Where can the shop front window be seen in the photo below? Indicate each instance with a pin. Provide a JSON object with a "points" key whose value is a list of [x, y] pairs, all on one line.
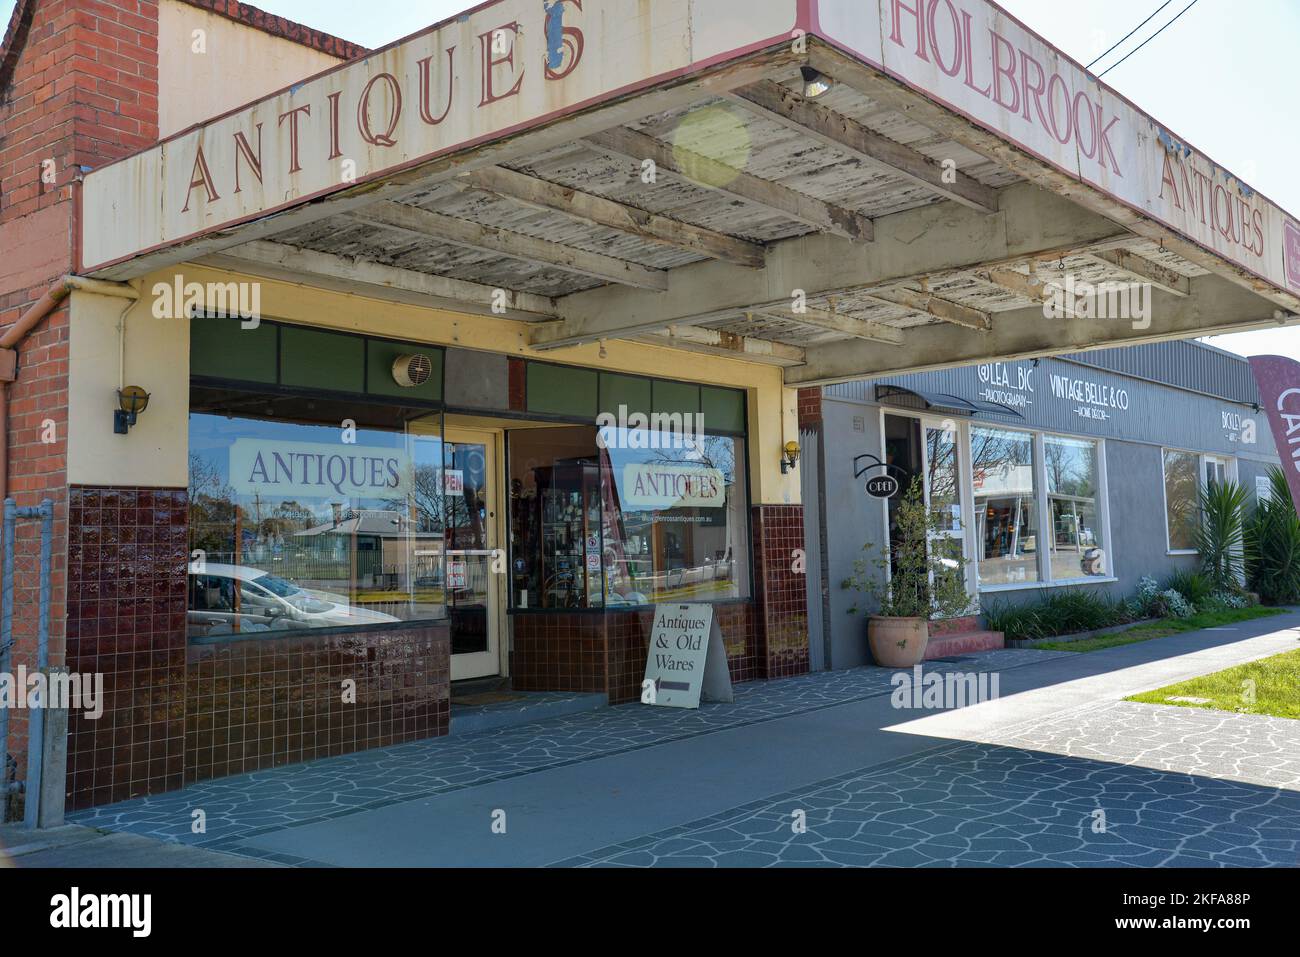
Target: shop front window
{"points": [[1006, 509], [1077, 548], [1182, 493], [634, 518], [297, 525]]}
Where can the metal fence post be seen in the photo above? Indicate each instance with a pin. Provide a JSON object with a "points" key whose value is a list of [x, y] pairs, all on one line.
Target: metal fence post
{"points": [[36, 723], [6, 646]]}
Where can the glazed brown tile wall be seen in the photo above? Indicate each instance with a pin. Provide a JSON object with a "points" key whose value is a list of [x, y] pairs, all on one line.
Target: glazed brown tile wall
{"points": [[175, 713], [782, 598], [127, 553], [260, 704], [558, 651]]}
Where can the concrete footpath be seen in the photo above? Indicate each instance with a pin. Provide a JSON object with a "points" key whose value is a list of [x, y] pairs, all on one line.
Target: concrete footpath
{"points": [[1015, 781], [76, 846]]}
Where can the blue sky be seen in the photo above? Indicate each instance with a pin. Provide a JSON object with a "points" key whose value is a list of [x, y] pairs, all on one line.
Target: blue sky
{"points": [[1223, 77]]}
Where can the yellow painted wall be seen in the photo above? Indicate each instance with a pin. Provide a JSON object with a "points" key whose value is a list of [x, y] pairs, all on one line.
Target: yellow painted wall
{"points": [[240, 64], [154, 454], [158, 357]]}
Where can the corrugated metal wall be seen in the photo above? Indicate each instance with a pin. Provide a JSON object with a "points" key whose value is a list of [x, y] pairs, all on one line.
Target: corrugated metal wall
{"points": [[1154, 412], [1186, 364]]}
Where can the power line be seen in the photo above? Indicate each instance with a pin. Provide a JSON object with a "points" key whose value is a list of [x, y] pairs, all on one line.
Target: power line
{"points": [[1131, 32], [1149, 39]]}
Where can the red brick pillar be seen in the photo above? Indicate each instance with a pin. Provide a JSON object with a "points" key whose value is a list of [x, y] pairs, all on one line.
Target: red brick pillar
{"points": [[78, 88]]}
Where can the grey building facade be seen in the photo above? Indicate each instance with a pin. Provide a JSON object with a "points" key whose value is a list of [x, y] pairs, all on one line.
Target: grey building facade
{"points": [[1080, 471]]}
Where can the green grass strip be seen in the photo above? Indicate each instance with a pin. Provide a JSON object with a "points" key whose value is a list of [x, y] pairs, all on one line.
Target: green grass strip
{"points": [[1163, 629], [1269, 686]]}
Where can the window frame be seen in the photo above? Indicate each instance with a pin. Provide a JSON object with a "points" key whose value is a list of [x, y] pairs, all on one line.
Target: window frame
{"points": [[324, 631], [1036, 458], [1230, 474], [743, 446], [1042, 502]]}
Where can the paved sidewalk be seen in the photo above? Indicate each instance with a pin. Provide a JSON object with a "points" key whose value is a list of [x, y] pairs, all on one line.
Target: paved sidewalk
{"points": [[76, 846], [1019, 780]]}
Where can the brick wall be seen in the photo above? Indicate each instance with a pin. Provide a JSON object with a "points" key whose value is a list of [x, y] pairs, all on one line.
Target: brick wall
{"points": [[810, 409], [78, 87], [83, 92]]}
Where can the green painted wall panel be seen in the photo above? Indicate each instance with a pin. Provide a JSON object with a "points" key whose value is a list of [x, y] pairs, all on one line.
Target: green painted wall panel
{"points": [[724, 409], [674, 397], [222, 349], [321, 360], [563, 390], [631, 391]]}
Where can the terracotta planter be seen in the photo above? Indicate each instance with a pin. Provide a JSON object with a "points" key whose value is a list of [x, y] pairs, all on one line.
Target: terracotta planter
{"points": [[897, 642]]}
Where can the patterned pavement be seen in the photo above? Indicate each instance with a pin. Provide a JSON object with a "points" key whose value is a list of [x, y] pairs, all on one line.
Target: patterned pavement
{"points": [[1098, 787], [1109, 784], [243, 806]]}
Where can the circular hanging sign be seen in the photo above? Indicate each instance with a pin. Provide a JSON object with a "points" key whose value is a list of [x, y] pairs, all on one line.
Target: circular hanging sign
{"points": [[882, 486]]}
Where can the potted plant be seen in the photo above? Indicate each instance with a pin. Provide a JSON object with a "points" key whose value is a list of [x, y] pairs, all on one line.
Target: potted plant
{"points": [[915, 586]]}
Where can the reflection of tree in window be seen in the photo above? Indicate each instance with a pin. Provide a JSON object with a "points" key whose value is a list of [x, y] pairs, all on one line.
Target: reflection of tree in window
{"points": [[1006, 521], [1181, 494]]}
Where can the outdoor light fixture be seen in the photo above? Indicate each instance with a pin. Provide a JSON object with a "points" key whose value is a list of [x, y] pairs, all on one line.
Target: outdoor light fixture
{"points": [[789, 456], [131, 401], [814, 83]]}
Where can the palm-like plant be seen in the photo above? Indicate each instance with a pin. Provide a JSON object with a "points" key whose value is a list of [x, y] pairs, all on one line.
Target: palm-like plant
{"points": [[1273, 544], [1221, 534]]}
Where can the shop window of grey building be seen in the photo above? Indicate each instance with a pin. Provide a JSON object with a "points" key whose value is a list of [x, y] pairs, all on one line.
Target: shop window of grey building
{"points": [[1039, 515], [1181, 492], [1006, 506], [1072, 493], [1186, 474]]}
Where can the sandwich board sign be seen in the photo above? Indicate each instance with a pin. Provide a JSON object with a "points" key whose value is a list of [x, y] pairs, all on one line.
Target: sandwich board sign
{"points": [[687, 661]]}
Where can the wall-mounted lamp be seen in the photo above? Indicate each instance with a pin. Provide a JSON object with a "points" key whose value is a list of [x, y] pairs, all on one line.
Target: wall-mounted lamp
{"points": [[789, 456], [814, 83], [131, 401]]}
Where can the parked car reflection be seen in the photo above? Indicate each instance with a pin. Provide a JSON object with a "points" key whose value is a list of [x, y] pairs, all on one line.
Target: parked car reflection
{"points": [[235, 600]]}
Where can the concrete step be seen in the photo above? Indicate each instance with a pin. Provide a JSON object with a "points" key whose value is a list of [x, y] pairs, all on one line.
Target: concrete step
{"points": [[942, 627], [963, 643]]}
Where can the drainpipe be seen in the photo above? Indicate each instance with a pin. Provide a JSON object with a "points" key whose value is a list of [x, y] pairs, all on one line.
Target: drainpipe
{"points": [[13, 335]]}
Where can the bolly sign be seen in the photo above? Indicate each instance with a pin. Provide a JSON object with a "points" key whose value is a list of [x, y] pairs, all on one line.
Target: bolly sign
{"points": [[499, 68], [305, 470], [977, 59]]}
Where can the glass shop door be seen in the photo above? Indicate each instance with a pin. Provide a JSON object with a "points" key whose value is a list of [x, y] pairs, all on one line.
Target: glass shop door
{"points": [[475, 563]]}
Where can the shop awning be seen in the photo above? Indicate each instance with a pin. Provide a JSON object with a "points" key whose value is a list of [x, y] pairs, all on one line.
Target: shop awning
{"points": [[845, 188], [941, 402]]}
